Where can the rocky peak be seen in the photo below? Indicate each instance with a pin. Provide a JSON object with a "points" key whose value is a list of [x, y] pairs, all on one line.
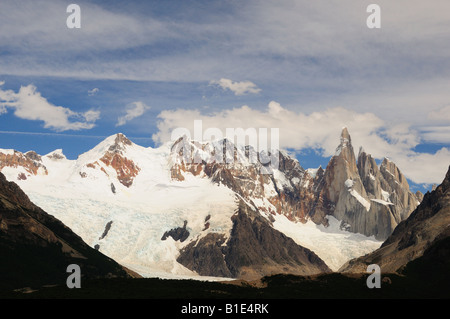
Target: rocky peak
{"points": [[371, 200], [345, 154], [120, 143], [342, 167], [290, 165], [30, 162], [366, 164], [390, 171], [56, 155], [345, 144], [361, 151], [319, 173], [369, 174], [345, 136], [419, 196], [112, 154], [33, 156]]}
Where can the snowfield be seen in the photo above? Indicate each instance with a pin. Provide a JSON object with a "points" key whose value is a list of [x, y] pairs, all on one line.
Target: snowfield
{"points": [[332, 244]]}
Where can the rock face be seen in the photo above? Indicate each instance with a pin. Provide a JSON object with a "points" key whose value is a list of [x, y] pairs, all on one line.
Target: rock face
{"points": [[179, 233], [254, 249], [365, 198], [107, 228], [115, 157], [30, 163], [424, 230], [36, 248]]}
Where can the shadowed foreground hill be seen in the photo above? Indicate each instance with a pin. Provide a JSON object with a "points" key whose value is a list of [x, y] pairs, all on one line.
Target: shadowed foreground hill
{"points": [[36, 248]]}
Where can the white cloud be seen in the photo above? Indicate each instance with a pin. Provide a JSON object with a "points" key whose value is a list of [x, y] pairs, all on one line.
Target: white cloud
{"points": [[93, 91], [91, 115], [238, 88], [29, 104], [321, 48], [43, 27], [133, 111], [436, 134], [321, 131], [317, 130], [2, 107], [424, 167]]}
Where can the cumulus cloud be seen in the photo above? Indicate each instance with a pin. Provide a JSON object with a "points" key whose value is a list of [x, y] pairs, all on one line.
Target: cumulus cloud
{"points": [[320, 131], [29, 104], [91, 116], [133, 111], [317, 130], [238, 88], [93, 91], [424, 168]]}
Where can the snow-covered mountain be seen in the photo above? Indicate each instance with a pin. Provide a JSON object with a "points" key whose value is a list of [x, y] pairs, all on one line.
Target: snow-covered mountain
{"points": [[161, 214]]}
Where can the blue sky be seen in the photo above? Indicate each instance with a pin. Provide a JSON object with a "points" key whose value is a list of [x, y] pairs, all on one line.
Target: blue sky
{"points": [[308, 68]]}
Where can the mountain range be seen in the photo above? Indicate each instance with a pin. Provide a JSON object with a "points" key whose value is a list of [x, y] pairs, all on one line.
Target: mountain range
{"points": [[162, 214]]}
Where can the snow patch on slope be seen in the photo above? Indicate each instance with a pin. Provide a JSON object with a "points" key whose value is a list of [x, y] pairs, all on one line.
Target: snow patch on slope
{"points": [[7, 151], [360, 199], [333, 245], [380, 201], [349, 184]]}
